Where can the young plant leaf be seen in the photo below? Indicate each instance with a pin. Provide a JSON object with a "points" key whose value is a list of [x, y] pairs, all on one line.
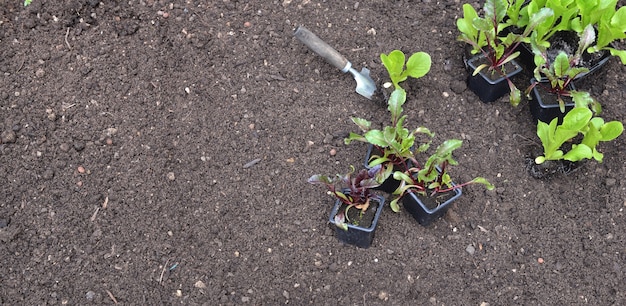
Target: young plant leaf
{"points": [[418, 65]]}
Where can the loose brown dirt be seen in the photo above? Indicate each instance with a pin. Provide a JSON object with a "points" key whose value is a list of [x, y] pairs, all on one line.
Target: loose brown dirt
{"points": [[126, 125]]}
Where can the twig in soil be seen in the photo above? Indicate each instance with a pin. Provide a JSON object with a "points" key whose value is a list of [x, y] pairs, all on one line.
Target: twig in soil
{"points": [[106, 202], [67, 33], [527, 139], [163, 271], [93, 217], [251, 163], [21, 66], [111, 296]]}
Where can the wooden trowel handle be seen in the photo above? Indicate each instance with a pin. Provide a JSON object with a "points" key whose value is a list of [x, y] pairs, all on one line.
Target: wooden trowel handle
{"points": [[321, 48]]}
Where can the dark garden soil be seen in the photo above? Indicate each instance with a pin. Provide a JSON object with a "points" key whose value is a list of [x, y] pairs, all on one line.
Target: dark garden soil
{"points": [[126, 126]]}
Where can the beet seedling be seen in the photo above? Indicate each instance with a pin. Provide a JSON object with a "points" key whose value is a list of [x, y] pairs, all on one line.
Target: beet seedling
{"points": [[417, 66], [358, 191], [563, 70], [485, 36], [433, 177]]}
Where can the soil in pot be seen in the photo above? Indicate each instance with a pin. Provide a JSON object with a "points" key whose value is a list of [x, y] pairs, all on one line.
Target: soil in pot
{"points": [[361, 226], [566, 41], [425, 208], [545, 105]]}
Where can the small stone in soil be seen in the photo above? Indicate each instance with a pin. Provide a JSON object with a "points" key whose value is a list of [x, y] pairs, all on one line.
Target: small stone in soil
{"points": [[7, 137], [79, 146], [470, 249]]}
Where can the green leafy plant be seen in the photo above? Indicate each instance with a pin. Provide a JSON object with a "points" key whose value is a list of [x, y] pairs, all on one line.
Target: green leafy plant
{"points": [[485, 35], [564, 11], [417, 66], [576, 15], [562, 71], [395, 141], [27, 2], [353, 191], [609, 22], [579, 120], [433, 178]]}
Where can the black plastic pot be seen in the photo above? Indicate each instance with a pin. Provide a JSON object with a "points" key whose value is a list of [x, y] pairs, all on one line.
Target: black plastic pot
{"points": [[489, 87], [544, 109], [358, 235], [390, 184], [427, 209]]}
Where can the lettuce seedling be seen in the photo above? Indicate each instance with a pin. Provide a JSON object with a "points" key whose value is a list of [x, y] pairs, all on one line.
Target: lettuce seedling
{"points": [[563, 14], [579, 120], [577, 15], [417, 66], [433, 177], [610, 24], [485, 36]]}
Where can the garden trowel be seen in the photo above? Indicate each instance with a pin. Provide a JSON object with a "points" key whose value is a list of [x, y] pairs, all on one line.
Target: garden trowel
{"points": [[365, 86]]}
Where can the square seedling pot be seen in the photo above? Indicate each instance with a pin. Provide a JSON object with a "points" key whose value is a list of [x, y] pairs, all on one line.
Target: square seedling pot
{"points": [[544, 105], [487, 86], [427, 209], [359, 235]]}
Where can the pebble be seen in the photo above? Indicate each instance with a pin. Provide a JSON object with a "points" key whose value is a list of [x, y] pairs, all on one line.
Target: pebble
{"points": [[470, 249], [251, 163], [200, 284], [4, 223], [8, 137], [90, 295], [40, 73], [333, 152], [383, 296], [79, 146], [333, 267], [610, 182], [48, 174], [171, 176], [64, 147], [458, 86]]}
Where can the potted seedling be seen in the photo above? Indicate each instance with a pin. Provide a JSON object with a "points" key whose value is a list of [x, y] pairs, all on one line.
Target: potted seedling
{"points": [[427, 191], [570, 20], [552, 88], [563, 144], [390, 147], [608, 21], [356, 210], [493, 64]]}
